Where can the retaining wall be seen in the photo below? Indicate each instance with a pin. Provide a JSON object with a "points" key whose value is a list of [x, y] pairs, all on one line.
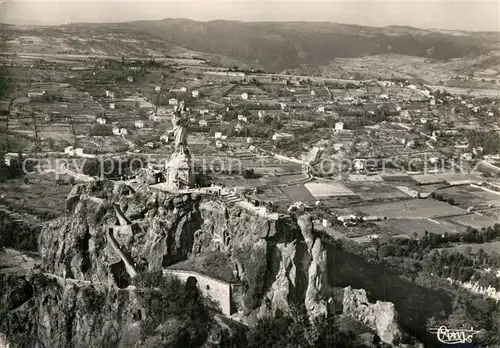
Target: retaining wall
{"points": [[218, 290]]}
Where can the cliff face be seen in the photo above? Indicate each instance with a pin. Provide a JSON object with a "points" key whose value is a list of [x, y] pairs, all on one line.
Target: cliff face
{"points": [[43, 312], [277, 262]]}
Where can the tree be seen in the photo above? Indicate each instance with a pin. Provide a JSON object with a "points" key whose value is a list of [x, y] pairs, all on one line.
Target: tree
{"points": [[50, 143]]}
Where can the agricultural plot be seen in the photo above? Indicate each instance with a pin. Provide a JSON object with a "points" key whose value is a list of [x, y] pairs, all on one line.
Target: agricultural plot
{"points": [[413, 227], [298, 193], [40, 197], [410, 209], [273, 194], [475, 220], [467, 196], [424, 179], [57, 132], [374, 190], [319, 189], [239, 181]]}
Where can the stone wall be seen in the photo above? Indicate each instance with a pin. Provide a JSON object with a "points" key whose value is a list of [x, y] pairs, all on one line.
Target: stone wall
{"points": [[219, 291]]}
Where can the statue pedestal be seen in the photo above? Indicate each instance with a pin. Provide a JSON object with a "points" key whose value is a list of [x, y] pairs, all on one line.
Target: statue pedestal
{"points": [[179, 172]]}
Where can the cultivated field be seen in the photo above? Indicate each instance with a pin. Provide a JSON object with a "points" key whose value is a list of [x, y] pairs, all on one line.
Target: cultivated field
{"points": [[374, 190], [411, 227], [328, 189], [298, 193], [415, 208], [40, 197], [467, 196], [475, 221]]}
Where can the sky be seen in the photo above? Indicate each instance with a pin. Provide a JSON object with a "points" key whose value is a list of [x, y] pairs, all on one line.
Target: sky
{"points": [[474, 15]]}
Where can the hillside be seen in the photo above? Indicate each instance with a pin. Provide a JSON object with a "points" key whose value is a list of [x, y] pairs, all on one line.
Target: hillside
{"points": [[278, 46]]}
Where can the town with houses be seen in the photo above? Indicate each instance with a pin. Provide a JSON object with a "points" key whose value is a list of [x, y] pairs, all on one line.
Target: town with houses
{"points": [[379, 162]]}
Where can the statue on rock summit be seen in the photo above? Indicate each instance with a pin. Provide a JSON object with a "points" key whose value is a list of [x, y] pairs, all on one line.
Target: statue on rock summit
{"points": [[179, 171]]}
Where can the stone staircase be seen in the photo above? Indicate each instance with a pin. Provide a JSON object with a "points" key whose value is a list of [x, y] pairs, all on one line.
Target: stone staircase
{"points": [[230, 196]]}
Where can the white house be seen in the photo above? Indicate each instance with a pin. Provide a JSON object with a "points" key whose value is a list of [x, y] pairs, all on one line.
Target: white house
{"points": [[219, 144], [345, 218], [242, 118], [173, 101], [139, 124], [433, 160], [195, 93], [101, 120], [339, 126], [466, 156], [164, 138], [218, 135], [130, 79], [111, 105], [244, 96], [110, 94], [249, 140], [384, 97], [183, 89], [261, 114], [157, 88], [321, 109], [203, 123], [313, 92], [281, 136], [358, 164], [116, 131], [432, 102], [33, 94], [123, 131], [70, 150]]}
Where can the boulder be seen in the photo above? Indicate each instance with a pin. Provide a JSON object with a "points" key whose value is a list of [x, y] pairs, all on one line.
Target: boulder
{"points": [[380, 316]]}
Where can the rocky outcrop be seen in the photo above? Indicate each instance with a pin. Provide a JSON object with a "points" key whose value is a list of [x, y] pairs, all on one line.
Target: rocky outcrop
{"points": [[81, 316], [317, 284], [380, 316], [278, 262]]}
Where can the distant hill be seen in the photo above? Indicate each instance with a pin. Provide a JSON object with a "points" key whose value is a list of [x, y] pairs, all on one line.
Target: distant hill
{"points": [[276, 46]]}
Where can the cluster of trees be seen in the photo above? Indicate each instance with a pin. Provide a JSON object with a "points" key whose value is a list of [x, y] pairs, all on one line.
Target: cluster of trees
{"points": [[14, 170], [489, 141], [355, 119], [51, 97], [106, 76], [438, 196], [417, 248], [296, 330], [101, 130], [247, 130], [462, 267], [112, 168]]}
